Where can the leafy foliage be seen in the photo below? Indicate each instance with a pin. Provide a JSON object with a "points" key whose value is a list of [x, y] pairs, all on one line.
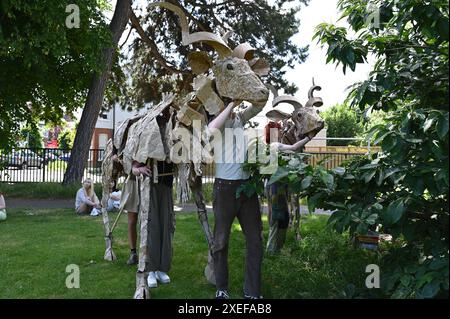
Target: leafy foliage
{"points": [[266, 27], [45, 66], [32, 136], [66, 138], [402, 190], [342, 121]]}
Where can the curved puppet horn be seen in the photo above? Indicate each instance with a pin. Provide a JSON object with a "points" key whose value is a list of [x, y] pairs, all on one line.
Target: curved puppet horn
{"points": [[278, 115], [212, 39], [312, 100], [273, 90], [244, 51], [287, 99], [277, 99]]}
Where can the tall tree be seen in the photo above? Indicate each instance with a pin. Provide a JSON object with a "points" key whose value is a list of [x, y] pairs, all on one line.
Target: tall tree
{"points": [[93, 106], [44, 65]]}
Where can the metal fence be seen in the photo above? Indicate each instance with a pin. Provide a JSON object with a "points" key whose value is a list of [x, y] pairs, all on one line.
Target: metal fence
{"points": [[330, 160], [26, 165]]}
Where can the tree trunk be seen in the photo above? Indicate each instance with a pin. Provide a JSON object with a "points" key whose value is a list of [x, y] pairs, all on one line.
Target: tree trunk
{"points": [[92, 108]]}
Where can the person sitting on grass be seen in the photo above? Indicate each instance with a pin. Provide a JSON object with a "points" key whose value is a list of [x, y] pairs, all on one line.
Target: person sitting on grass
{"points": [[114, 198], [2, 208], [87, 201]]}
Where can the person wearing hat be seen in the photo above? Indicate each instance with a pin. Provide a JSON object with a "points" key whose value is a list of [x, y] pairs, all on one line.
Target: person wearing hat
{"points": [[2, 208], [86, 201]]}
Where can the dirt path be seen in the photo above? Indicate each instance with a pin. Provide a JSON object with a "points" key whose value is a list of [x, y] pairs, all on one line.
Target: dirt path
{"points": [[69, 204]]}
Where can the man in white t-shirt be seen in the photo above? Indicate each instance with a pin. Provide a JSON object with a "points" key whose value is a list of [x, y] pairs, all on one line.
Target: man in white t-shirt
{"points": [[230, 175]]}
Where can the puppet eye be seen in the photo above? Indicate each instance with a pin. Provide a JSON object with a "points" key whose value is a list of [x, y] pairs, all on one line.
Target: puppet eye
{"points": [[230, 67]]}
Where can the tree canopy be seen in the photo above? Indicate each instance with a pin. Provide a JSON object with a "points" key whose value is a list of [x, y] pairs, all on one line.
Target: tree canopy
{"points": [[158, 62], [45, 67]]}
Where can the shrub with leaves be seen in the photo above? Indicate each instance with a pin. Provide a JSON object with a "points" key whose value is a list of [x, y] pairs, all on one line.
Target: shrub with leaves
{"points": [[402, 190]]}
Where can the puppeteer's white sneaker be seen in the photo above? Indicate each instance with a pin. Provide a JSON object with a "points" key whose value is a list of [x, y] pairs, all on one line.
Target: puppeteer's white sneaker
{"points": [[151, 280], [162, 277]]}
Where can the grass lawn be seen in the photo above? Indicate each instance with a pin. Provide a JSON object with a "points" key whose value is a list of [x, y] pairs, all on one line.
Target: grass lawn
{"points": [[37, 245]]}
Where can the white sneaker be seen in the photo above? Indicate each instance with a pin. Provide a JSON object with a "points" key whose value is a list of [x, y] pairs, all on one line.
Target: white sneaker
{"points": [[162, 277], [95, 212], [151, 280]]}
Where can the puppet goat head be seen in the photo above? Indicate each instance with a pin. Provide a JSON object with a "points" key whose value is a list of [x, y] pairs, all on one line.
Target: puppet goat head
{"points": [[303, 121], [236, 80]]}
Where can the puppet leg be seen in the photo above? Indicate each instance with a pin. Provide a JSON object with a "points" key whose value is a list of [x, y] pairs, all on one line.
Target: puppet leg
{"points": [[107, 172], [297, 216], [142, 290], [196, 188]]}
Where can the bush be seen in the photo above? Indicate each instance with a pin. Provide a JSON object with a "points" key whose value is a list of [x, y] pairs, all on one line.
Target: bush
{"points": [[342, 121]]}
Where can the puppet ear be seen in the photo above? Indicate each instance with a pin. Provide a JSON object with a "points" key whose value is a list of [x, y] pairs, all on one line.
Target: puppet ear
{"points": [[200, 62], [205, 92], [260, 66], [277, 115]]}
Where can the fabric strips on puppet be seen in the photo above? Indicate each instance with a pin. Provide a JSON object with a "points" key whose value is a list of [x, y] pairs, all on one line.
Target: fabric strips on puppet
{"points": [[142, 290]]}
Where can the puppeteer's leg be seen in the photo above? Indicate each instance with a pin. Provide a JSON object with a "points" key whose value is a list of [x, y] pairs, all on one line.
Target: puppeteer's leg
{"points": [[279, 217], [161, 228], [142, 290], [249, 216]]}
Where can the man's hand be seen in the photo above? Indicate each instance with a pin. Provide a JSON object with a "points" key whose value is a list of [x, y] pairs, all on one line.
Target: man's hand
{"points": [[143, 170], [312, 134], [220, 119]]}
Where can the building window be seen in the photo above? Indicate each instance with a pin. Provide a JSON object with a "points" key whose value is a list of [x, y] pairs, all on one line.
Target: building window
{"points": [[102, 140]]}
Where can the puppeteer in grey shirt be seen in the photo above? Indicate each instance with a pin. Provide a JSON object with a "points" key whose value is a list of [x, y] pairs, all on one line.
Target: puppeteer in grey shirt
{"points": [[230, 158]]}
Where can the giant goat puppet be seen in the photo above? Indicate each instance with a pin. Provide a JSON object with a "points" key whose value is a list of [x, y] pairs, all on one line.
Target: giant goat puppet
{"points": [[233, 75], [296, 126]]}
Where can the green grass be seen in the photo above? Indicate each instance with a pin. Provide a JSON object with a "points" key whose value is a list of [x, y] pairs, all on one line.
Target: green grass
{"points": [[37, 245]]}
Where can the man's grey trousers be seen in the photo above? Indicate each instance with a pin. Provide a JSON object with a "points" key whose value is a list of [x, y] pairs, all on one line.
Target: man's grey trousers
{"points": [[247, 210]]}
